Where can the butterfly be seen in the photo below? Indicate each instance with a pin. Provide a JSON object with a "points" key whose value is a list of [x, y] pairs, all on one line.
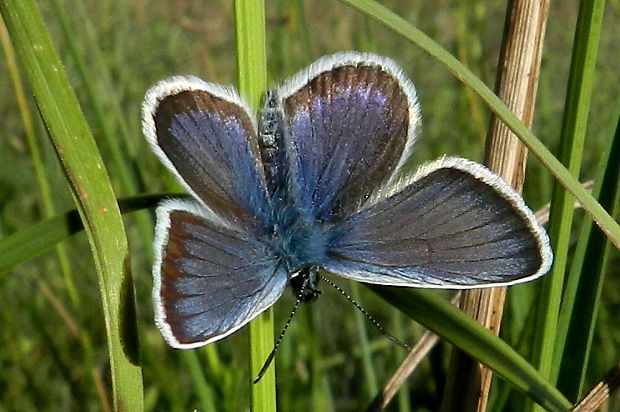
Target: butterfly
{"points": [[313, 184]]}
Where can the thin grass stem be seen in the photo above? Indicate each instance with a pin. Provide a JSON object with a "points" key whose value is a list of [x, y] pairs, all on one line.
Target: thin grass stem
{"points": [[252, 79]]}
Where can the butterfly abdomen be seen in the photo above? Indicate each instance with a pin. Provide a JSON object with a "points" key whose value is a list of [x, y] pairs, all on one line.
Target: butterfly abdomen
{"points": [[271, 144]]}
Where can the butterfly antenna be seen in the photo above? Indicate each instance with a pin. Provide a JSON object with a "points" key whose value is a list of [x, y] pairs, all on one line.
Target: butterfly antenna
{"points": [[279, 340], [368, 315]]}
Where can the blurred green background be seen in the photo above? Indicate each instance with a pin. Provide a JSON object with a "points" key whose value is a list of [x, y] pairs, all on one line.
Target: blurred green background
{"points": [[122, 48]]}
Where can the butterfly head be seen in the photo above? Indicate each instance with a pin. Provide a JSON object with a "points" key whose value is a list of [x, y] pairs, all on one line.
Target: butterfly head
{"points": [[304, 283]]}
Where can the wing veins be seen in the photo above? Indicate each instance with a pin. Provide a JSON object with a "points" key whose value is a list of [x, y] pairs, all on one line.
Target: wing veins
{"points": [[399, 202], [236, 318], [206, 171], [232, 269]]}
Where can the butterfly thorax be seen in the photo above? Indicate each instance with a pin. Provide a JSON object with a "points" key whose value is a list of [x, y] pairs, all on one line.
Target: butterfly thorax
{"points": [[298, 243], [271, 143]]}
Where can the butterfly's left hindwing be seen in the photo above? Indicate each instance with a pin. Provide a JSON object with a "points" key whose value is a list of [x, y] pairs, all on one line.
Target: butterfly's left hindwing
{"points": [[210, 278]]}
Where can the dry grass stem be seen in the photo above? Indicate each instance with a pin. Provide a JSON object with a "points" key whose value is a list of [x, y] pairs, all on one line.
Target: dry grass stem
{"points": [[506, 155]]}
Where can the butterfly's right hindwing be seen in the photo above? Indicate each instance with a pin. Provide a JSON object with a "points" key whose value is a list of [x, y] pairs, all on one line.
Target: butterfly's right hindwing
{"points": [[456, 225]]}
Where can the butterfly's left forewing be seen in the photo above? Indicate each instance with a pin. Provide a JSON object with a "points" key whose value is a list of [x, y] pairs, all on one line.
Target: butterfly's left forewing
{"points": [[214, 271], [205, 135]]}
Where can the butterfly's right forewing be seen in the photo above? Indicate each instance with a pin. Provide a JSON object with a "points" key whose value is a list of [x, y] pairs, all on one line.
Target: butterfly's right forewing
{"points": [[350, 122]]}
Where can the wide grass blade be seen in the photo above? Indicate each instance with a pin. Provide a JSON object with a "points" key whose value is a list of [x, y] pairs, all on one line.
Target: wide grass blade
{"points": [[441, 317], [91, 189]]}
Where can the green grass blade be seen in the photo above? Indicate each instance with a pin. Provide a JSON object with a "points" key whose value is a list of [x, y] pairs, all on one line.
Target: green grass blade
{"points": [[45, 186], [576, 111], [202, 389], [31, 242], [92, 192], [119, 162], [370, 375], [441, 317], [572, 141], [252, 75], [580, 303], [608, 225], [37, 161]]}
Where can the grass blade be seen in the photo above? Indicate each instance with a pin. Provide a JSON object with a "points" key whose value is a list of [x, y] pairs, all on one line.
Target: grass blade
{"points": [[252, 75], [92, 192], [119, 161], [31, 242], [581, 297], [37, 161], [441, 317], [370, 375], [516, 85], [203, 390], [572, 141]]}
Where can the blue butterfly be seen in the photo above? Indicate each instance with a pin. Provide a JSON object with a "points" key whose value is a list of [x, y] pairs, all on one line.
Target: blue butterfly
{"points": [[317, 185]]}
